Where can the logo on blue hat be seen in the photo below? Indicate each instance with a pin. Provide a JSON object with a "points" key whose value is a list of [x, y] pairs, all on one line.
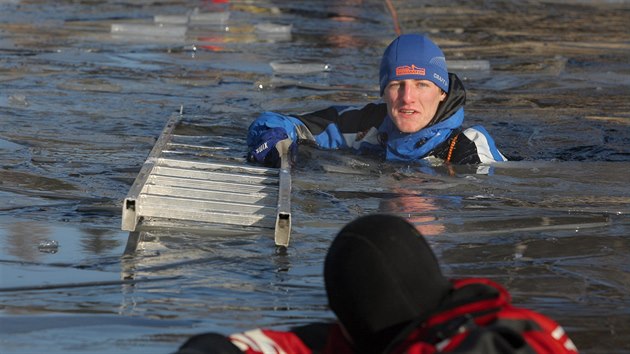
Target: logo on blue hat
{"points": [[409, 70]]}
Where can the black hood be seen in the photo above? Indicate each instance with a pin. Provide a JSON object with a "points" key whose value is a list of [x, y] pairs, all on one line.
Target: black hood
{"points": [[455, 99], [381, 274]]}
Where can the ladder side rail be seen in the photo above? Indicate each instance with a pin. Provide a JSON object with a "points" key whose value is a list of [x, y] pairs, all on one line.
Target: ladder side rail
{"points": [[282, 230], [130, 216]]}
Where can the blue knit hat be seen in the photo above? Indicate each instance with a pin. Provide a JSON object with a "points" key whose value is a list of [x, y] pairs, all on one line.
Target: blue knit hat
{"points": [[412, 56]]}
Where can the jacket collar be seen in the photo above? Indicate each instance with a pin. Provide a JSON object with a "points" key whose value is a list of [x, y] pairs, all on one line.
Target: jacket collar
{"points": [[413, 146]]}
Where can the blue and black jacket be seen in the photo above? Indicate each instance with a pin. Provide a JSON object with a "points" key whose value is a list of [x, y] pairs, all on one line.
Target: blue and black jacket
{"points": [[369, 129]]}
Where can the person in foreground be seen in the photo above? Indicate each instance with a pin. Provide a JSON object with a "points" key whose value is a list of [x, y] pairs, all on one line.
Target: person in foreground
{"points": [[386, 289], [421, 116]]}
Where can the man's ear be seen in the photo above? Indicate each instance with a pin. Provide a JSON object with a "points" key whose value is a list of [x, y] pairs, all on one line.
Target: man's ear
{"points": [[442, 95]]}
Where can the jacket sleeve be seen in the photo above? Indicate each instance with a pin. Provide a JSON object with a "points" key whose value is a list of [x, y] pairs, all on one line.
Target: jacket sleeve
{"points": [[258, 341], [307, 339], [332, 128]]}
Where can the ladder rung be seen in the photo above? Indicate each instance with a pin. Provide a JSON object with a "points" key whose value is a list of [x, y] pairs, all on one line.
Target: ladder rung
{"points": [[211, 185], [217, 167], [213, 195], [169, 204], [214, 176], [209, 218]]}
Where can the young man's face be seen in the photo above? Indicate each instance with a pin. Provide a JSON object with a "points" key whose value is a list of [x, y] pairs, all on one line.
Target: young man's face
{"points": [[412, 103]]}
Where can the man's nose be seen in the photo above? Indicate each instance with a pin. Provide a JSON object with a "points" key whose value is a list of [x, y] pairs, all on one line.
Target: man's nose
{"points": [[407, 92]]}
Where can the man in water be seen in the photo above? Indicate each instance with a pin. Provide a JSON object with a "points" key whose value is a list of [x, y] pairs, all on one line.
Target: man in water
{"points": [[421, 116], [386, 289]]}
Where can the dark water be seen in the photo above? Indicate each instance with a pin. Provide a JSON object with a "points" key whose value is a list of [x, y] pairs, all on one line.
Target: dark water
{"points": [[81, 107]]}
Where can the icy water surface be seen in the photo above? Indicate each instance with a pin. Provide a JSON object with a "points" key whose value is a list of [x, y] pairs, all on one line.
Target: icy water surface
{"points": [[87, 86]]}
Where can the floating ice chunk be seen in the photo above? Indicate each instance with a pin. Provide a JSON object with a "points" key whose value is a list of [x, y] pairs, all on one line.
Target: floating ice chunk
{"points": [[209, 18], [463, 65], [18, 100], [298, 68], [273, 28], [48, 246], [276, 83], [162, 31], [8, 145], [171, 19], [194, 18], [273, 32]]}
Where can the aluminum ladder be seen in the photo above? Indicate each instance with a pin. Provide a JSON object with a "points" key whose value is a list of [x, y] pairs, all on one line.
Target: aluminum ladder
{"points": [[188, 183]]}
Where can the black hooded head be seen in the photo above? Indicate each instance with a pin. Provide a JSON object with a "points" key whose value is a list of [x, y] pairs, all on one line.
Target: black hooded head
{"points": [[381, 274]]}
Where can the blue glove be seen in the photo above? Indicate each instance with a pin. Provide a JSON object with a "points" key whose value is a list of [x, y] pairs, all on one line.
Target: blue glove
{"points": [[265, 152]]}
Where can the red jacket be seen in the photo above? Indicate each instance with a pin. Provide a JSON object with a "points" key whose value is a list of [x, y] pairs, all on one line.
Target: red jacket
{"points": [[490, 325], [479, 319]]}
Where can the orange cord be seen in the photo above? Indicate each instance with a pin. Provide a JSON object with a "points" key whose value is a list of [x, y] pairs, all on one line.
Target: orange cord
{"points": [[392, 10], [451, 148]]}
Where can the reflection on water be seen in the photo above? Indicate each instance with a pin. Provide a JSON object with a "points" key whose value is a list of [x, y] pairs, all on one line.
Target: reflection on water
{"points": [[21, 239], [417, 209], [76, 245], [81, 107]]}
